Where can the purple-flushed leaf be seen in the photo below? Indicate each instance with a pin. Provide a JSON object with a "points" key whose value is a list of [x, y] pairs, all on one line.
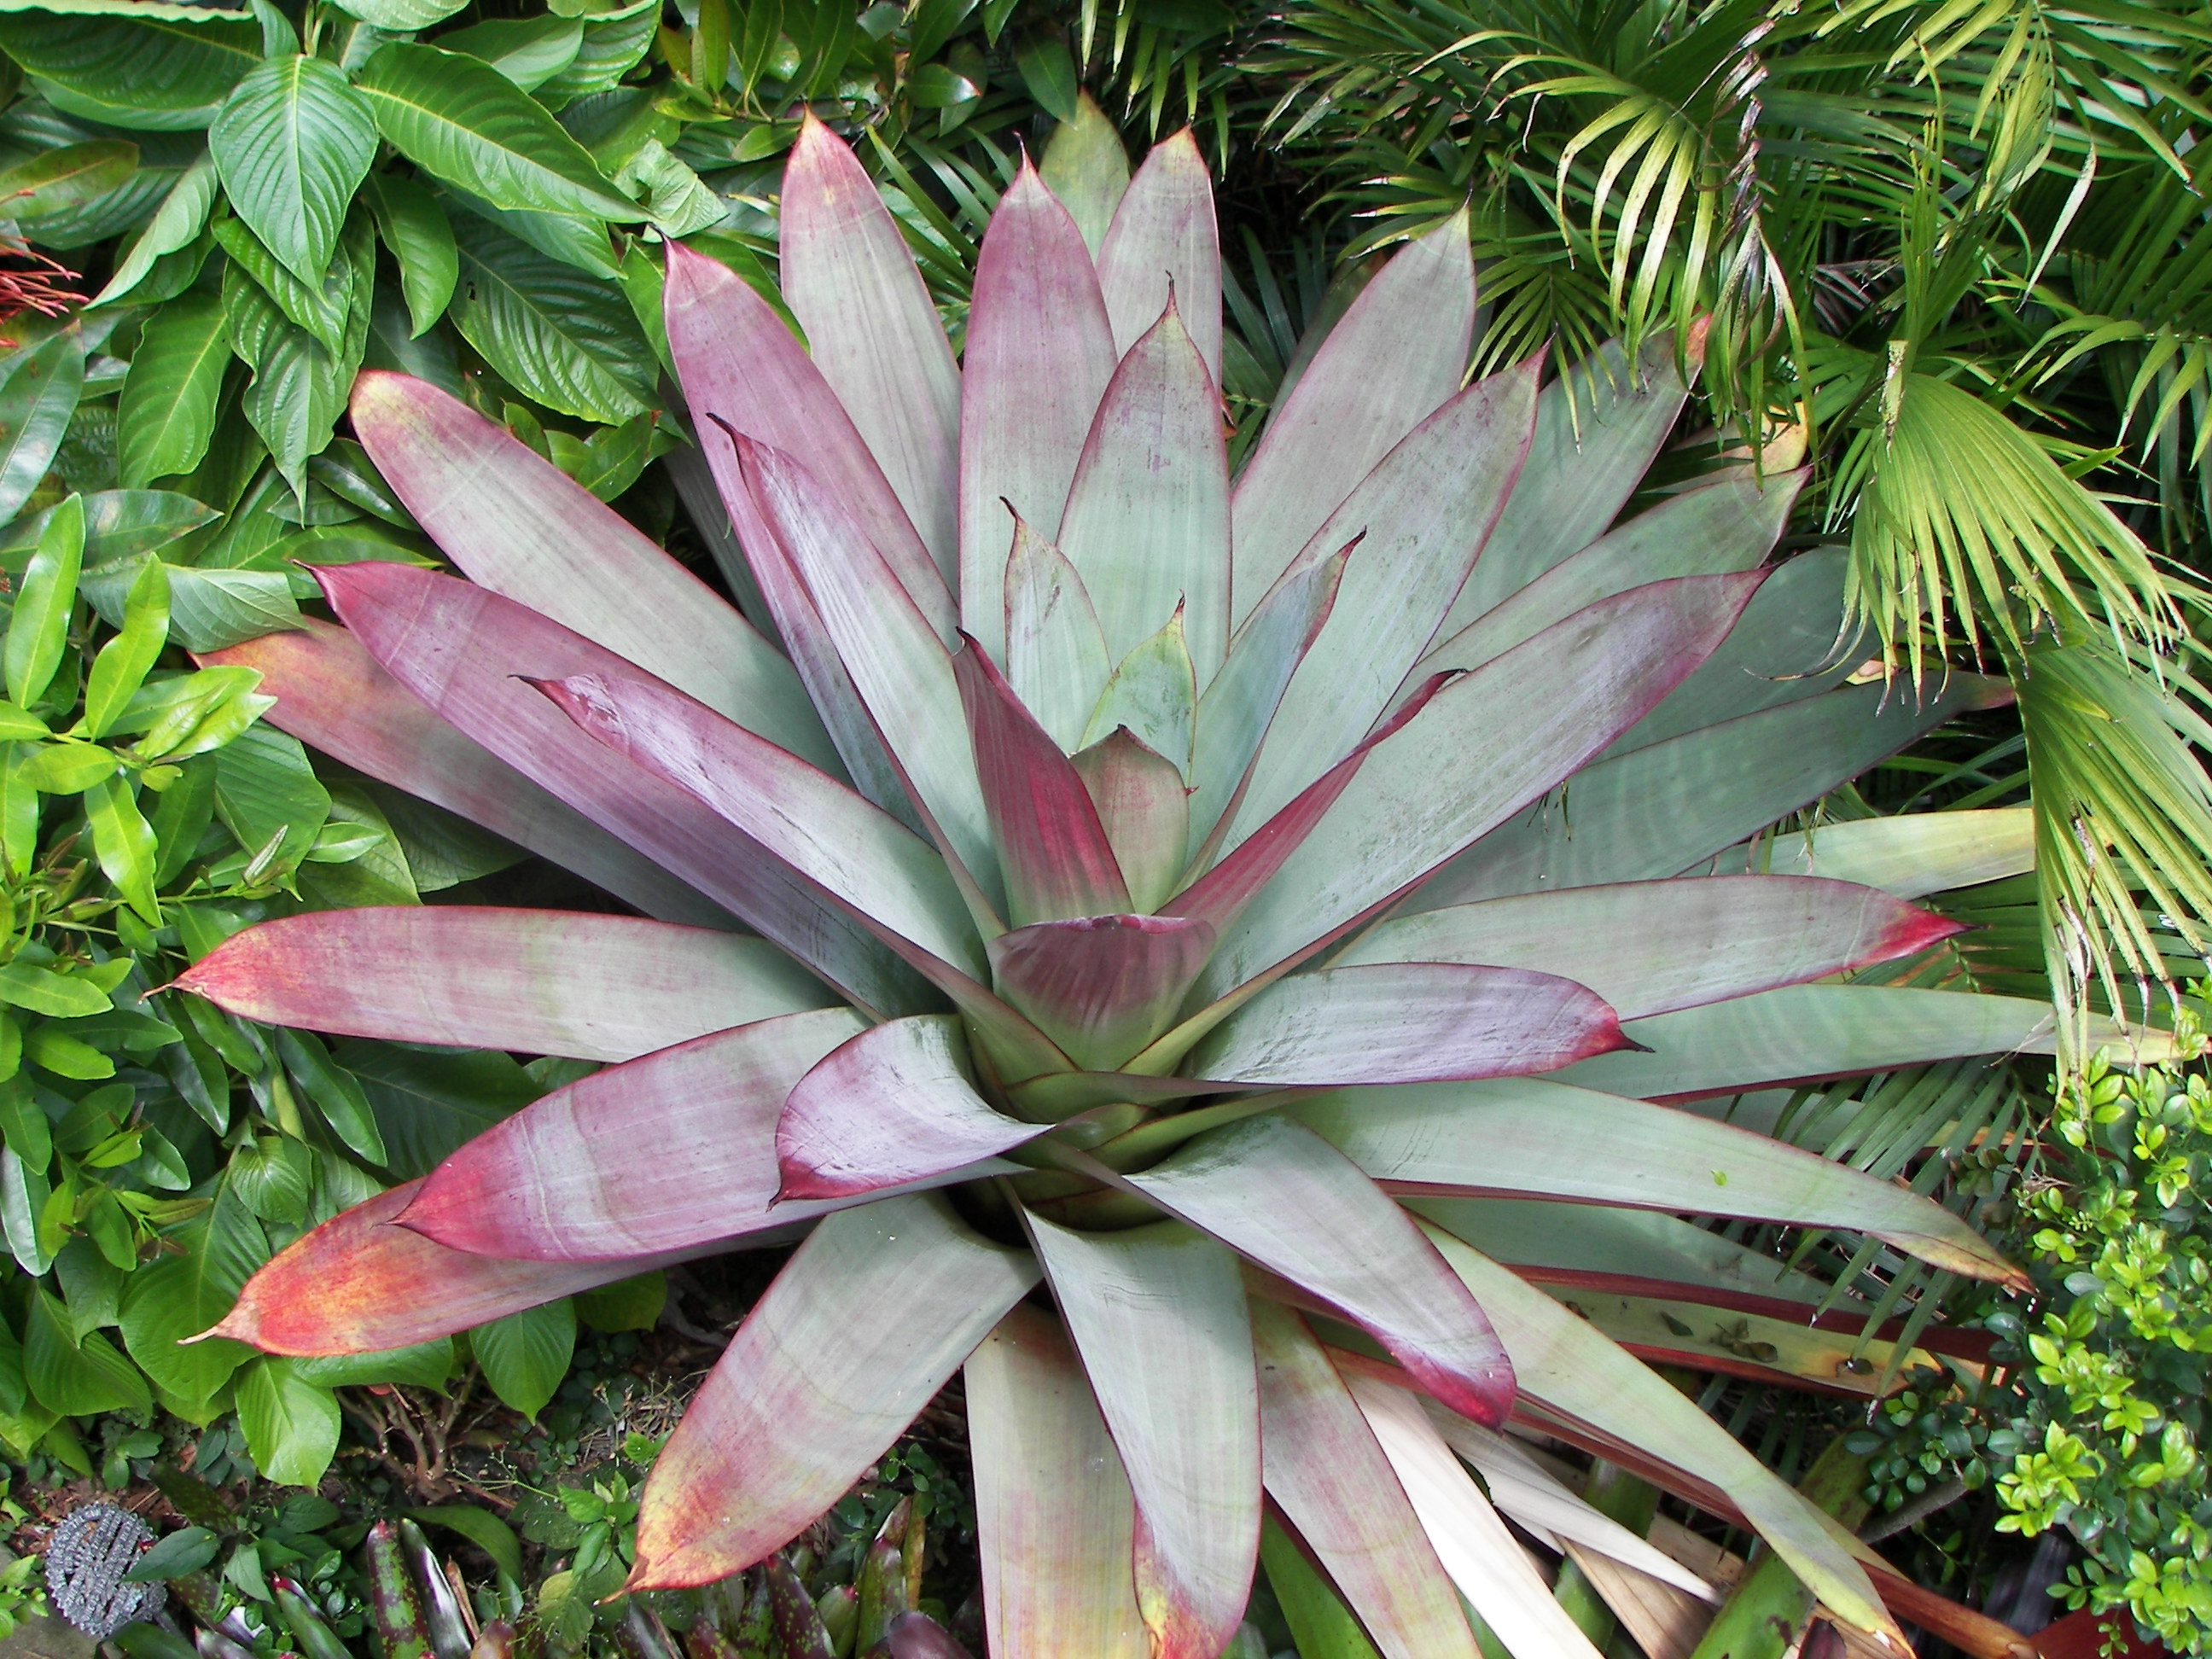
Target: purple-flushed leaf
{"points": [[1502, 1139], [896, 1104], [1164, 242], [1602, 422], [1051, 845], [1730, 526], [1330, 1478], [1039, 354], [1572, 1370], [1221, 894], [1101, 986], [918, 1636], [1234, 711], [739, 362], [1478, 751], [1147, 515], [1421, 517], [333, 696], [360, 1283], [1278, 1194], [1396, 355], [1054, 1515], [1408, 1022], [1158, 1316], [1472, 1543], [873, 333], [872, 1316], [1652, 947], [515, 523], [1144, 809], [468, 653], [892, 882], [896, 661], [1056, 658], [535, 982], [673, 1151]]}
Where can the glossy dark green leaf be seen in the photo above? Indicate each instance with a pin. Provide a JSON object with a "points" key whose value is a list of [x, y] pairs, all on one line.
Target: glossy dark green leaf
{"points": [[37, 399], [293, 144], [526, 1355], [402, 16], [423, 1365], [414, 227], [428, 1104], [564, 340], [208, 609], [461, 120], [177, 1296], [527, 50], [291, 1425], [336, 1092], [55, 180], [39, 630], [481, 1528], [263, 784], [628, 1305], [613, 42], [118, 524], [123, 663], [186, 1550], [76, 1378], [167, 411], [156, 74], [123, 842]]}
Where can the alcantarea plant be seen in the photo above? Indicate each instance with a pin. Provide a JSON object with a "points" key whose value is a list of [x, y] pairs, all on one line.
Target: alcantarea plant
{"points": [[1166, 892]]}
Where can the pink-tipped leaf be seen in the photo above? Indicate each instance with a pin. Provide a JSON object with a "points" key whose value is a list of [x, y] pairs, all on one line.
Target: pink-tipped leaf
{"points": [[333, 696], [1147, 515], [1052, 848], [1421, 516], [1144, 809], [894, 1104], [1652, 947], [890, 881], [1324, 1470], [469, 653], [872, 331], [1396, 355], [1481, 749], [518, 524], [868, 1320], [1040, 351], [1101, 986], [1164, 241], [535, 982], [897, 663], [1157, 1314], [674, 1149], [739, 363], [1411, 1022], [361, 1284], [1054, 1519], [1280, 1195]]}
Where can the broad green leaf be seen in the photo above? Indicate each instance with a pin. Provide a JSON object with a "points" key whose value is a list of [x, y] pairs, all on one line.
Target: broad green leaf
{"points": [[118, 524], [461, 120], [72, 1377], [39, 630], [57, 180], [23, 1121], [614, 41], [337, 1092], [154, 74], [291, 1425], [264, 784], [414, 227], [423, 1365], [564, 339], [427, 1105], [293, 144], [300, 380], [1056, 1521], [123, 663], [255, 273], [676, 199], [183, 211], [574, 238], [23, 1194], [167, 411], [23, 985], [208, 611], [628, 1304], [402, 16], [124, 843], [528, 51], [481, 1528], [37, 399], [1158, 1316], [526, 1355], [177, 1296], [1087, 168]]}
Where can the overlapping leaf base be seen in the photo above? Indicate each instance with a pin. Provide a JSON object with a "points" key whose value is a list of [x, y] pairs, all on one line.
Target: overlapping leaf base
{"points": [[1168, 891]]}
